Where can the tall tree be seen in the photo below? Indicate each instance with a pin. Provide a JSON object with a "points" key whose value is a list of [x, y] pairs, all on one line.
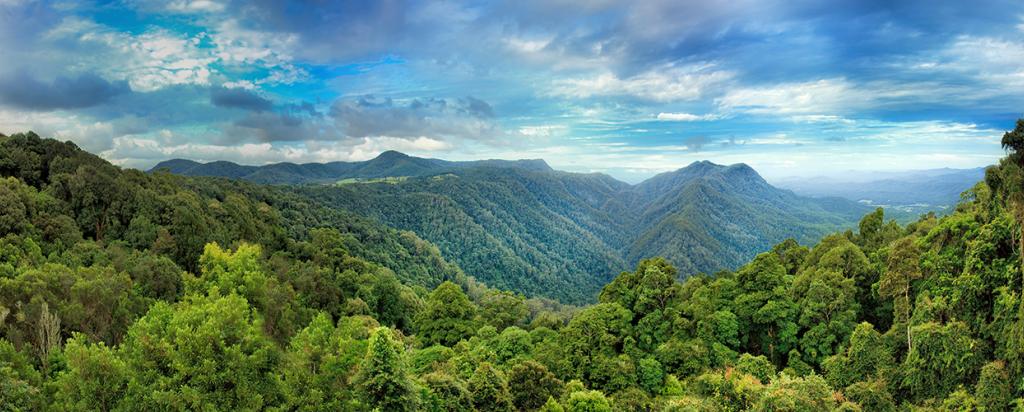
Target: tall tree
{"points": [[95, 378], [382, 379], [595, 332], [490, 392], [502, 309], [765, 309], [531, 384], [447, 317], [901, 270], [204, 352]]}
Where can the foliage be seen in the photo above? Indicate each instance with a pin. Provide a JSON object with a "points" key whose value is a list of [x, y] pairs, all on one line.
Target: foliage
{"points": [[382, 380], [490, 392], [173, 293], [447, 317], [562, 235]]}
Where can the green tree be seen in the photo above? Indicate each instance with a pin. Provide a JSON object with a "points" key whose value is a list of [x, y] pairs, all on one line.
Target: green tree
{"points": [[588, 401], [318, 366], [756, 366], [651, 375], [19, 381], [513, 343], [901, 271], [382, 380], [447, 317], [651, 293], [866, 357], [95, 378], [764, 307], [827, 311], [871, 396], [243, 272], [490, 392], [503, 309], [156, 277], [531, 385], [552, 406], [809, 393], [791, 254], [994, 390], [205, 352], [594, 333], [942, 358], [446, 393]]}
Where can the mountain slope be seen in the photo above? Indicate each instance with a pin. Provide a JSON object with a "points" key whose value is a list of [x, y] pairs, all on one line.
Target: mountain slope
{"points": [[523, 226], [175, 216], [540, 233], [563, 235], [387, 164], [716, 217]]}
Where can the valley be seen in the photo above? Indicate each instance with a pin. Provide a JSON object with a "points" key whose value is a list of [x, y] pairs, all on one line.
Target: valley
{"points": [[523, 226]]}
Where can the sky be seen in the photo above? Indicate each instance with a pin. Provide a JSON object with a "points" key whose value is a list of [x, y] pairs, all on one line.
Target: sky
{"points": [[628, 88]]}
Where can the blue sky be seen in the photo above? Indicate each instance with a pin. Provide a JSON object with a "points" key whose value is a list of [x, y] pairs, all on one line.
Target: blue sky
{"points": [[622, 87]]}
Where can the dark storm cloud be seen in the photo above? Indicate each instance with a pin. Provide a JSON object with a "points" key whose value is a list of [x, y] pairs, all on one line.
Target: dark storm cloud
{"points": [[21, 90], [239, 99]]}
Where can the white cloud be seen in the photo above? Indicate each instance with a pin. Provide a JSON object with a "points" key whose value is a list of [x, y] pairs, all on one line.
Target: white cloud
{"points": [[371, 147], [541, 131], [149, 61], [826, 96], [663, 84], [526, 46], [998, 61], [157, 58], [687, 117], [238, 45], [92, 135], [196, 6], [820, 118]]}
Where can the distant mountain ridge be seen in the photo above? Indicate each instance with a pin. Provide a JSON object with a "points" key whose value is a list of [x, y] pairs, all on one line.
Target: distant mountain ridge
{"points": [[387, 164], [916, 191], [521, 225]]}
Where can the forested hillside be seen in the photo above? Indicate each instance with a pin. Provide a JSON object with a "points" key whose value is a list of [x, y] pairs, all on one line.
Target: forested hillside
{"points": [[97, 313], [387, 164], [563, 235]]}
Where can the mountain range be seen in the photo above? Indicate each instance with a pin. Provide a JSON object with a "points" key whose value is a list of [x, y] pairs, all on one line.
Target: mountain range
{"points": [[387, 164], [910, 192], [523, 226]]}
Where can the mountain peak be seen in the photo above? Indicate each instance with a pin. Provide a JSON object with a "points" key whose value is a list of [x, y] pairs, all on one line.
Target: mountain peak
{"points": [[698, 168], [703, 163], [741, 168], [391, 155], [743, 172], [175, 165]]}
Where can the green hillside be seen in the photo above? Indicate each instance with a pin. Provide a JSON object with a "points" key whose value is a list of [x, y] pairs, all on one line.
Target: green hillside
{"points": [[127, 291], [563, 235], [531, 232], [387, 164]]}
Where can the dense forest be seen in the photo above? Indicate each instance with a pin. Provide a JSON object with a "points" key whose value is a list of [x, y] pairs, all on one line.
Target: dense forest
{"points": [[521, 226], [387, 164], [121, 290]]}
